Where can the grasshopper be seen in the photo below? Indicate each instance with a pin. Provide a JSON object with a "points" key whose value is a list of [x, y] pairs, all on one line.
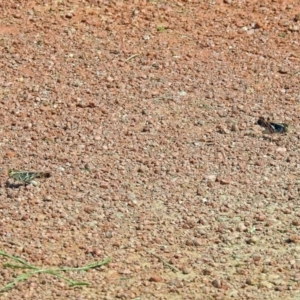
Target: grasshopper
{"points": [[27, 176]]}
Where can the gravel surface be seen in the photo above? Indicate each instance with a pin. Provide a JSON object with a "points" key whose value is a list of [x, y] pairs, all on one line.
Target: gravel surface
{"points": [[144, 113]]}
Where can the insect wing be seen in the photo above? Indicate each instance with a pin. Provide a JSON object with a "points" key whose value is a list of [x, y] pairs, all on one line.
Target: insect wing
{"points": [[279, 128]]}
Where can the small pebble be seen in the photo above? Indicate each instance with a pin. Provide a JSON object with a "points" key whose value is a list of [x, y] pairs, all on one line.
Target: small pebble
{"points": [[155, 278], [217, 283], [185, 271], [250, 281]]}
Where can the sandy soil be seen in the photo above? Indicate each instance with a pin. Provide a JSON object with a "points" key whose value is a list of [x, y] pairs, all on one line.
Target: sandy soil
{"points": [[144, 113]]}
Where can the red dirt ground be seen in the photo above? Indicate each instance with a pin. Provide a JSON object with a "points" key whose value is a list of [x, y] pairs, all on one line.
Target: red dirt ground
{"points": [[144, 113]]}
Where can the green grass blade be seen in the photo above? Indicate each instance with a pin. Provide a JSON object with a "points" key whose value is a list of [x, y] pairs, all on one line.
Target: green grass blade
{"points": [[79, 283], [88, 266], [52, 272], [16, 280], [70, 281], [21, 261]]}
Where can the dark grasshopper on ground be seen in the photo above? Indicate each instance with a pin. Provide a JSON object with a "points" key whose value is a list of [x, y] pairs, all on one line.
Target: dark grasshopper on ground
{"points": [[272, 127]]}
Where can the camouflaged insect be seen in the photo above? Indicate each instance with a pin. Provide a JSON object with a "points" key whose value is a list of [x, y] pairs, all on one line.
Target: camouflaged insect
{"points": [[27, 177], [272, 127]]}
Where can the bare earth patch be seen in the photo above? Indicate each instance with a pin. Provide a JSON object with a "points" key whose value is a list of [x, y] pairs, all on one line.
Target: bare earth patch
{"points": [[144, 113]]}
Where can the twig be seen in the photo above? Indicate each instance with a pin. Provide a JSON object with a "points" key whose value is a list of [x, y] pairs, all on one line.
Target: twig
{"points": [[295, 73], [174, 269], [131, 57]]}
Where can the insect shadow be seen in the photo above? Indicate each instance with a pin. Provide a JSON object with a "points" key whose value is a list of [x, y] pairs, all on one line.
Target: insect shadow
{"points": [[11, 185]]}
